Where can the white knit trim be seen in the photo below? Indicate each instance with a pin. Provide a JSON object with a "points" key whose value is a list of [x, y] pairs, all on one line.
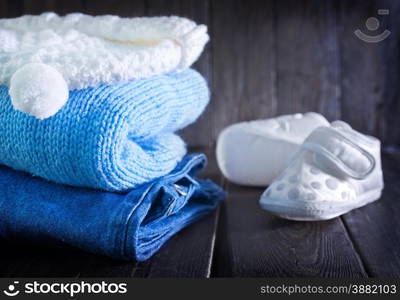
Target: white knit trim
{"points": [[89, 50]]}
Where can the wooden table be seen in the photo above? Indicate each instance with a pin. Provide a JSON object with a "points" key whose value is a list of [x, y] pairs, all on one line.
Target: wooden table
{"points": [[241, 240]]}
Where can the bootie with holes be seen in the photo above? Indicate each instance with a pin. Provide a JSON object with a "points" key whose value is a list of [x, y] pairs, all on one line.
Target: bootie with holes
{"points": [[337, 169]]}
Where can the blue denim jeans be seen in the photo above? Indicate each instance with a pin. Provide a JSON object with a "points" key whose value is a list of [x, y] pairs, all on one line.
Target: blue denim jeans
{"points": [[131, 225]]}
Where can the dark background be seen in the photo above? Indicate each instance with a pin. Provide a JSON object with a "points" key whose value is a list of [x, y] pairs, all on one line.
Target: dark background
{"points": [[267, 58]]}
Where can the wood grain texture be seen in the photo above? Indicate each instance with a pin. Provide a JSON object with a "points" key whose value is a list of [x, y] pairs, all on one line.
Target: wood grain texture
{"points": [[187, 254], [275, 57], [11, 9], [265, 58], [34, 7], [308, 58], [254, 243], [375, 228], [3, 9], [122, 8], [243, 62], [61, 7]]}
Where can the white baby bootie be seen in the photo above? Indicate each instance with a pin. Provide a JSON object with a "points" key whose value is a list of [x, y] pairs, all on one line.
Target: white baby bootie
{"points": [[254, 153], [337, 169]]}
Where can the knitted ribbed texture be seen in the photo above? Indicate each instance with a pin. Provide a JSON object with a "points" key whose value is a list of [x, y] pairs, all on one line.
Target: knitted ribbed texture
{"points": [[112, 137]]}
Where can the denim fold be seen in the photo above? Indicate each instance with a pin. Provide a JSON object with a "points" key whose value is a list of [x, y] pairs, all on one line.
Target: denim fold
{"points": [[113, 137]]}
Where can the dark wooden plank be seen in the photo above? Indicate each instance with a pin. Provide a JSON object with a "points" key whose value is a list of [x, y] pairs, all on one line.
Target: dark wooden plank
{"points": [[188, 254], [389, 122], [198, 134], [3, 9], [122, 8], [11, 8], [28, 260], [195, 10], [25, 260], [243, 62], [308, 57], [375, 228], [35, 7], [254, 243]]}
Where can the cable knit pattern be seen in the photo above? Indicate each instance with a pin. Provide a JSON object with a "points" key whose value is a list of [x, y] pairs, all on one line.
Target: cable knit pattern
{"points": [[113, 137]]}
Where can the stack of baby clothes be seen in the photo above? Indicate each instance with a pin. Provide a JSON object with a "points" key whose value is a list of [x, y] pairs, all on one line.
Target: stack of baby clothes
{"points": [[89, 107]]}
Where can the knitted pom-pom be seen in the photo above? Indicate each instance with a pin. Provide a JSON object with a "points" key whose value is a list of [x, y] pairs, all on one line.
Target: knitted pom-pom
{"points": [[38, 90]]}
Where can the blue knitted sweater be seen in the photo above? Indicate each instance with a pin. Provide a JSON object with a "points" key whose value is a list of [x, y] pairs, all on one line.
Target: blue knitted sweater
{"points": [[112, 137]]}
